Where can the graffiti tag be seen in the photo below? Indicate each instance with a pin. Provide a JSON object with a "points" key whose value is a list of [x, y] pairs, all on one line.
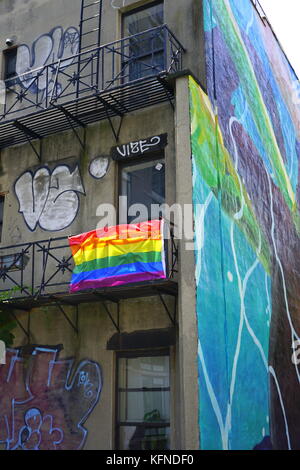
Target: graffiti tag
{"points": [[43, 405], [49, 199], [57, 46], [140, 147]]}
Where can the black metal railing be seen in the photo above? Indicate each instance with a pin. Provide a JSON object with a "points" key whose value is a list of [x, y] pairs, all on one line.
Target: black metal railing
{"points": [[116, 65], [44, 268]]}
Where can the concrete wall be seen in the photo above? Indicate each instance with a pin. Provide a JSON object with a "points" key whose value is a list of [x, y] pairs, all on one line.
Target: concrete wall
{"points": [[58, 149], [46, 32], [49, 327], [27, 182]]}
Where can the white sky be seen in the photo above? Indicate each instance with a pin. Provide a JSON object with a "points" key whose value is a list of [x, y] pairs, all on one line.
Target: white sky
{"points": [[284, 16]]}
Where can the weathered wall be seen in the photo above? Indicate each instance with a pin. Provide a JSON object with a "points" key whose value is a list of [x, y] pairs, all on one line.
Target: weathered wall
{"points": [[49, 31], [66, 399], [47, 325], [245, 140]]}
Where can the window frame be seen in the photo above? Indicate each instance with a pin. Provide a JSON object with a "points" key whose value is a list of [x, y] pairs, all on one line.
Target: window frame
{"points": [[160, 352], [10, 80], [123, 35], [155, 156]]}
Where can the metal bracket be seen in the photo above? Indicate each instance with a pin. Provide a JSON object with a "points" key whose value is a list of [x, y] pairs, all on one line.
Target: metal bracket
{"points": [[116, 111], [71, 118], [167, 89], [26, 332], [29, 133], [115, 323], [75, 327], [172, 318]]}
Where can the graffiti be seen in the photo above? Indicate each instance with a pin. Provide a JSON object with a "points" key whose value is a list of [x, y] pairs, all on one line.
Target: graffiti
{"points": [[99, 167], [56, 46], [134, 149], [49, 199], [245, 145], [45, 402], [117, 4]]}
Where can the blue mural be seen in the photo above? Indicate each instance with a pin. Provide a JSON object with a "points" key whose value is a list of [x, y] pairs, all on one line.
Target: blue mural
{"points": [[245, 143]]}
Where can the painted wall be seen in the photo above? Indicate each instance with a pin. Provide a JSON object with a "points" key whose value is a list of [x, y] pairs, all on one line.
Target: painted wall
{"points": [[245, 143], [54, 398], [44, 403]]}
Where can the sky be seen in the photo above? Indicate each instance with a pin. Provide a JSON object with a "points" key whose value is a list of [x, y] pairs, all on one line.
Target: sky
{"points": [[284, 17]]}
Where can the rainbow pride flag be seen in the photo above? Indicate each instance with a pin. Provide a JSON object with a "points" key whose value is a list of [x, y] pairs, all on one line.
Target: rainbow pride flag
{"points": [[118, 255]]}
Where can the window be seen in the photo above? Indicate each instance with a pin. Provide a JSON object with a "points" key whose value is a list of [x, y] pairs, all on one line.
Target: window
{"points": [[143, 402], [10, 66], [2, 198], [146, 51], [143, 183]]}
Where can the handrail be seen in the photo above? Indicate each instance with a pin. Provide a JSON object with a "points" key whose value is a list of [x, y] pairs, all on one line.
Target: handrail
{"points": [[44, 265], [102, 69], [96, 49]]}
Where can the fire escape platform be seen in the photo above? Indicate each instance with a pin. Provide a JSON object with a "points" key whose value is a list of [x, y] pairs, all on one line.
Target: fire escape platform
{"points": [[113, 294], [86, 110], [37, 274], [101, 83]]}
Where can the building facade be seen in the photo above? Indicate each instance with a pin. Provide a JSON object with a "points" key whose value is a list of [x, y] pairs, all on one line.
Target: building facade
{"points": [[123, 111]]}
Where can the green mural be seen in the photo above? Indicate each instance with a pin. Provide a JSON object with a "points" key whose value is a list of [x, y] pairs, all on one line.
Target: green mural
{"points": [[246, 146]]}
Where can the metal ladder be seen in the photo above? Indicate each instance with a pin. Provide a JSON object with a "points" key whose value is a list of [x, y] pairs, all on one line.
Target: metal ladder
{"points": [[90, 24], [89, 38]]}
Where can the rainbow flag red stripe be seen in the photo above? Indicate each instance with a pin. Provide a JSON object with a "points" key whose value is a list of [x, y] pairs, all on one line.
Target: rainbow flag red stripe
{"points": [[118, 255]]}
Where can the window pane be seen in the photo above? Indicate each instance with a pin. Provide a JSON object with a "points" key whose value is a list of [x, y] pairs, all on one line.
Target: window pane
{"points": [[144, 184], [142, 20], [146, 66], [150, 372], [138, 404], [10, 63], [142, 406], [145, 52], [143, 438]]}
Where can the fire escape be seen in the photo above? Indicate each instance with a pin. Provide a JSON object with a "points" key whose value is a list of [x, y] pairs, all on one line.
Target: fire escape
{"points": [[94, 84]]}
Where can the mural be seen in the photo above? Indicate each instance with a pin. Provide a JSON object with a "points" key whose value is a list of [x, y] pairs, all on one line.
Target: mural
{"points": [[245, 144], [49, 199], [44, 402], [57, 45]]}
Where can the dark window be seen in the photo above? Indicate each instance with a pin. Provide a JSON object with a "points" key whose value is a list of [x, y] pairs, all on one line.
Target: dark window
{"points": [[144, 52], [143, 402], [10, 66], [143, 183], [2, 198]]}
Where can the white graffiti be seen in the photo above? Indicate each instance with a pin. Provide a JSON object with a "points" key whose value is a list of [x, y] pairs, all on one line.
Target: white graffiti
{"points": [[49, 199], [139, 147], [117, 4], [99, 167], [57, 46]]}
